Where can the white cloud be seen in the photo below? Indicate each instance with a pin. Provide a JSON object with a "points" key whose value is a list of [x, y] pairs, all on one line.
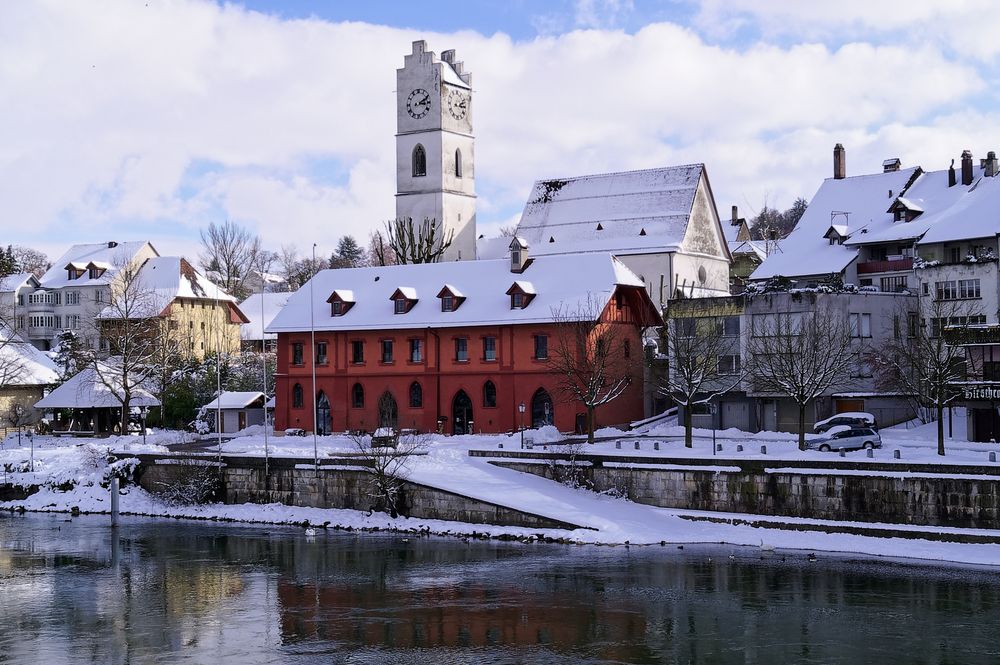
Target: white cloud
{"points": [[150, 121]]}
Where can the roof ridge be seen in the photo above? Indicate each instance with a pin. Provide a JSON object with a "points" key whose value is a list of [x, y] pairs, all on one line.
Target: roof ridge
{"points": [[700, 165]]}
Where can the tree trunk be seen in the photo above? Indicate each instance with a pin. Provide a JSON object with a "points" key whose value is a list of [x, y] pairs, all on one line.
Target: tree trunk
{"points": [[590, 424], [802, 426], [940, 428], [687, 427]]}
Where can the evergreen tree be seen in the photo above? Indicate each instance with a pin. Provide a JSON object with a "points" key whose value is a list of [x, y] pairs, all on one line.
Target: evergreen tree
{"points": [[70, 354], [349, 254], [8, 264]]}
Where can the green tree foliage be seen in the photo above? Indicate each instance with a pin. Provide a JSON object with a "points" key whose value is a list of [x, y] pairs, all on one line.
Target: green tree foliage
{"points": [[773, 224], [349, 254], [8, 264]]}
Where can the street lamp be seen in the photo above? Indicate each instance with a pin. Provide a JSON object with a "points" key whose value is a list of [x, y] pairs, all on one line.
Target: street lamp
{"points": [[520, 409], [143, 410]]}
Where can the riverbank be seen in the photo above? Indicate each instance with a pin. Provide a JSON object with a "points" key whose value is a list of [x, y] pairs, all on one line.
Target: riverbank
{"points": [[68, 474]]}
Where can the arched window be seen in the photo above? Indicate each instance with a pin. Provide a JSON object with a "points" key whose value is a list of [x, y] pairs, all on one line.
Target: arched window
{"points": [[419, 161], [458, 163], [358, 396], [489, 394], [297, 396], [416, 396], [388, 413]]}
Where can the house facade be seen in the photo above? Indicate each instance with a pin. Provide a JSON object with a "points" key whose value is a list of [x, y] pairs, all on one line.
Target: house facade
{"points": [[453, 347], [872, 318]]}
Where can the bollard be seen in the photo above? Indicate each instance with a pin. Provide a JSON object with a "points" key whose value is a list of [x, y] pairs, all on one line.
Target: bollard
{"points": [[739, 448], [545, 447], [114, 501], [895, 454], [871, 453], [841, 451], [500, 446], [637, 445], [763, 450], [656, 445], [718, 447], [618, 445], [529, 445], [993, 457]]}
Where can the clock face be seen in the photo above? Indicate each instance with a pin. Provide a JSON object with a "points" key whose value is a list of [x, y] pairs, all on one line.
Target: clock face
{"points": [[418, 104], [458, 105]]}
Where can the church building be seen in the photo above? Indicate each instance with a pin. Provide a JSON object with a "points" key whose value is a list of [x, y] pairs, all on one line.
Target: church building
{"points": [[435, 173]]}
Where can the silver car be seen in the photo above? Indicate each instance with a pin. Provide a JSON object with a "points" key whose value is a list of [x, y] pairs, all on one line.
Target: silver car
{"points": [[856, 438]]}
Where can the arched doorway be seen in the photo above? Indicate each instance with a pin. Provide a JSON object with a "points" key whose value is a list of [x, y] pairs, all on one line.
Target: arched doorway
{"points": [[322, 414], [461, 412], [388, 412], [542, 412]]}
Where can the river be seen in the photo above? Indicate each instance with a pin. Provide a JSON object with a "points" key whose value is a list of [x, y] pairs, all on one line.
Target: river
{"points": [[170, 591]]}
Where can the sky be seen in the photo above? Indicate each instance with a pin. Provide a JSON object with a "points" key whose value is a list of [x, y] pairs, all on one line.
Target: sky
{"points": [[150, 119]]}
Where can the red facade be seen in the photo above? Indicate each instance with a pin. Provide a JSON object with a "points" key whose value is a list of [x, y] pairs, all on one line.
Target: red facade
{"points": [[459, 378]]}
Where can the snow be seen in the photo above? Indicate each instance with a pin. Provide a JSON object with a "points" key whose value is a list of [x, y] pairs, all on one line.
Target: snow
{"points": [[569, 211], [602, 518], [260, 309], [25, 365], [83, 254], [407, 292], [85, 390], [856, 202], [484, 284], [231, 399]]}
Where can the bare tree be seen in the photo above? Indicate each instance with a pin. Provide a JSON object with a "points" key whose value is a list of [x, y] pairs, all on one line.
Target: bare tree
{"points": [[385, 454], [704, 362], [507, 231], [131, 328], [921, 363], [380, 253], [229, 254], [590, 358], [297, 270], [30, 260], [411, 242], [801, 356]]}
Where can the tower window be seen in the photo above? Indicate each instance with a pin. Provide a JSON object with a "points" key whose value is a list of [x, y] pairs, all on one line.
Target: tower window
{"points": [[419, 161], [458, 163]]}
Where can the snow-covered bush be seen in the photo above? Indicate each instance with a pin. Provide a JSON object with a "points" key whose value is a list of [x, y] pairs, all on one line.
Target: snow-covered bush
{"points": [[194, 482], [123, 469]]}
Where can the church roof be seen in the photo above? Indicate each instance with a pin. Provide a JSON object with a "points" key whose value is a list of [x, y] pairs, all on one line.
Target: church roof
{"points": [[634, 212]]}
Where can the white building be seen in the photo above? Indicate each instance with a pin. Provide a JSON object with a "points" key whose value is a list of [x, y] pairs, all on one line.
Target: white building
{"points": [[74, 290], [435, 174], [662, 223], [260, 309]]}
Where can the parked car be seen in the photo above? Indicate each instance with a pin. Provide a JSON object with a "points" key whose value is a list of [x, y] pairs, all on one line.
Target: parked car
{"points": [[852, 418], [854, 438]]}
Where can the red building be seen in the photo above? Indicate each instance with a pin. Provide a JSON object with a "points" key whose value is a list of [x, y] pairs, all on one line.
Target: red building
{"points": [[452, 346]]}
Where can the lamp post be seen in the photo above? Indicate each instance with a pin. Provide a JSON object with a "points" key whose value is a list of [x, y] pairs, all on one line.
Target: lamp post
{"points": [[520, 409], [143, 410]]}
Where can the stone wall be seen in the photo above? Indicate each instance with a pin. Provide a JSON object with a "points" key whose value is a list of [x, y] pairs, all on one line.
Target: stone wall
{"points": [[972, 502], [293, 483]]}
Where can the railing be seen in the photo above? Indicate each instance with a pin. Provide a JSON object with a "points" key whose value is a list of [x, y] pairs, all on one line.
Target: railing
{"points": [[885, 266]]}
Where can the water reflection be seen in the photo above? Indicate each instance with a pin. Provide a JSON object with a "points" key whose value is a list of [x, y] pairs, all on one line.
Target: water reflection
{"points": [[166, 592]]}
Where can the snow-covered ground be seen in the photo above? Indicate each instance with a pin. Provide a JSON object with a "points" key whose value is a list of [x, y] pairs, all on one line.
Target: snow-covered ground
{"points": [[447, 465]]}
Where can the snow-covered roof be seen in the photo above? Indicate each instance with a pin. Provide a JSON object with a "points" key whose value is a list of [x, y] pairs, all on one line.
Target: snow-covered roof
{"points": [[906, 203], [260, 309], [163, 279], [21, 364], [453, 290], [756, 247], [526, 287], [857, 202], [565, 281], [11, 283], [234, 400], [103, 253], [451, 77], [85, 390], [634, 212], [492, 248], [407, 292]]}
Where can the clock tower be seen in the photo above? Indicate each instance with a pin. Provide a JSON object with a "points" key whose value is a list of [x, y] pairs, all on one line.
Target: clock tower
{"points": [[435, 172]]}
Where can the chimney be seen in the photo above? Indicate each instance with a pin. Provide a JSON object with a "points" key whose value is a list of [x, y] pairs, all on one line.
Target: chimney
{"points": [[839, 162], [951, 174], [890, 165], [966, 167], [990, 169], [736, 216]]}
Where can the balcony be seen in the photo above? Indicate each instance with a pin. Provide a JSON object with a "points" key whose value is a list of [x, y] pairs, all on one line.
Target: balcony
{"points": [[889, 265]]}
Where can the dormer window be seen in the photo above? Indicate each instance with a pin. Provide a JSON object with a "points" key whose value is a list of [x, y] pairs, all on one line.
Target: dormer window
{"points": [[519, 260], [403, 299], [341, 300], [904, 210], [75, 270], [521, 293], [451, 298]]}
